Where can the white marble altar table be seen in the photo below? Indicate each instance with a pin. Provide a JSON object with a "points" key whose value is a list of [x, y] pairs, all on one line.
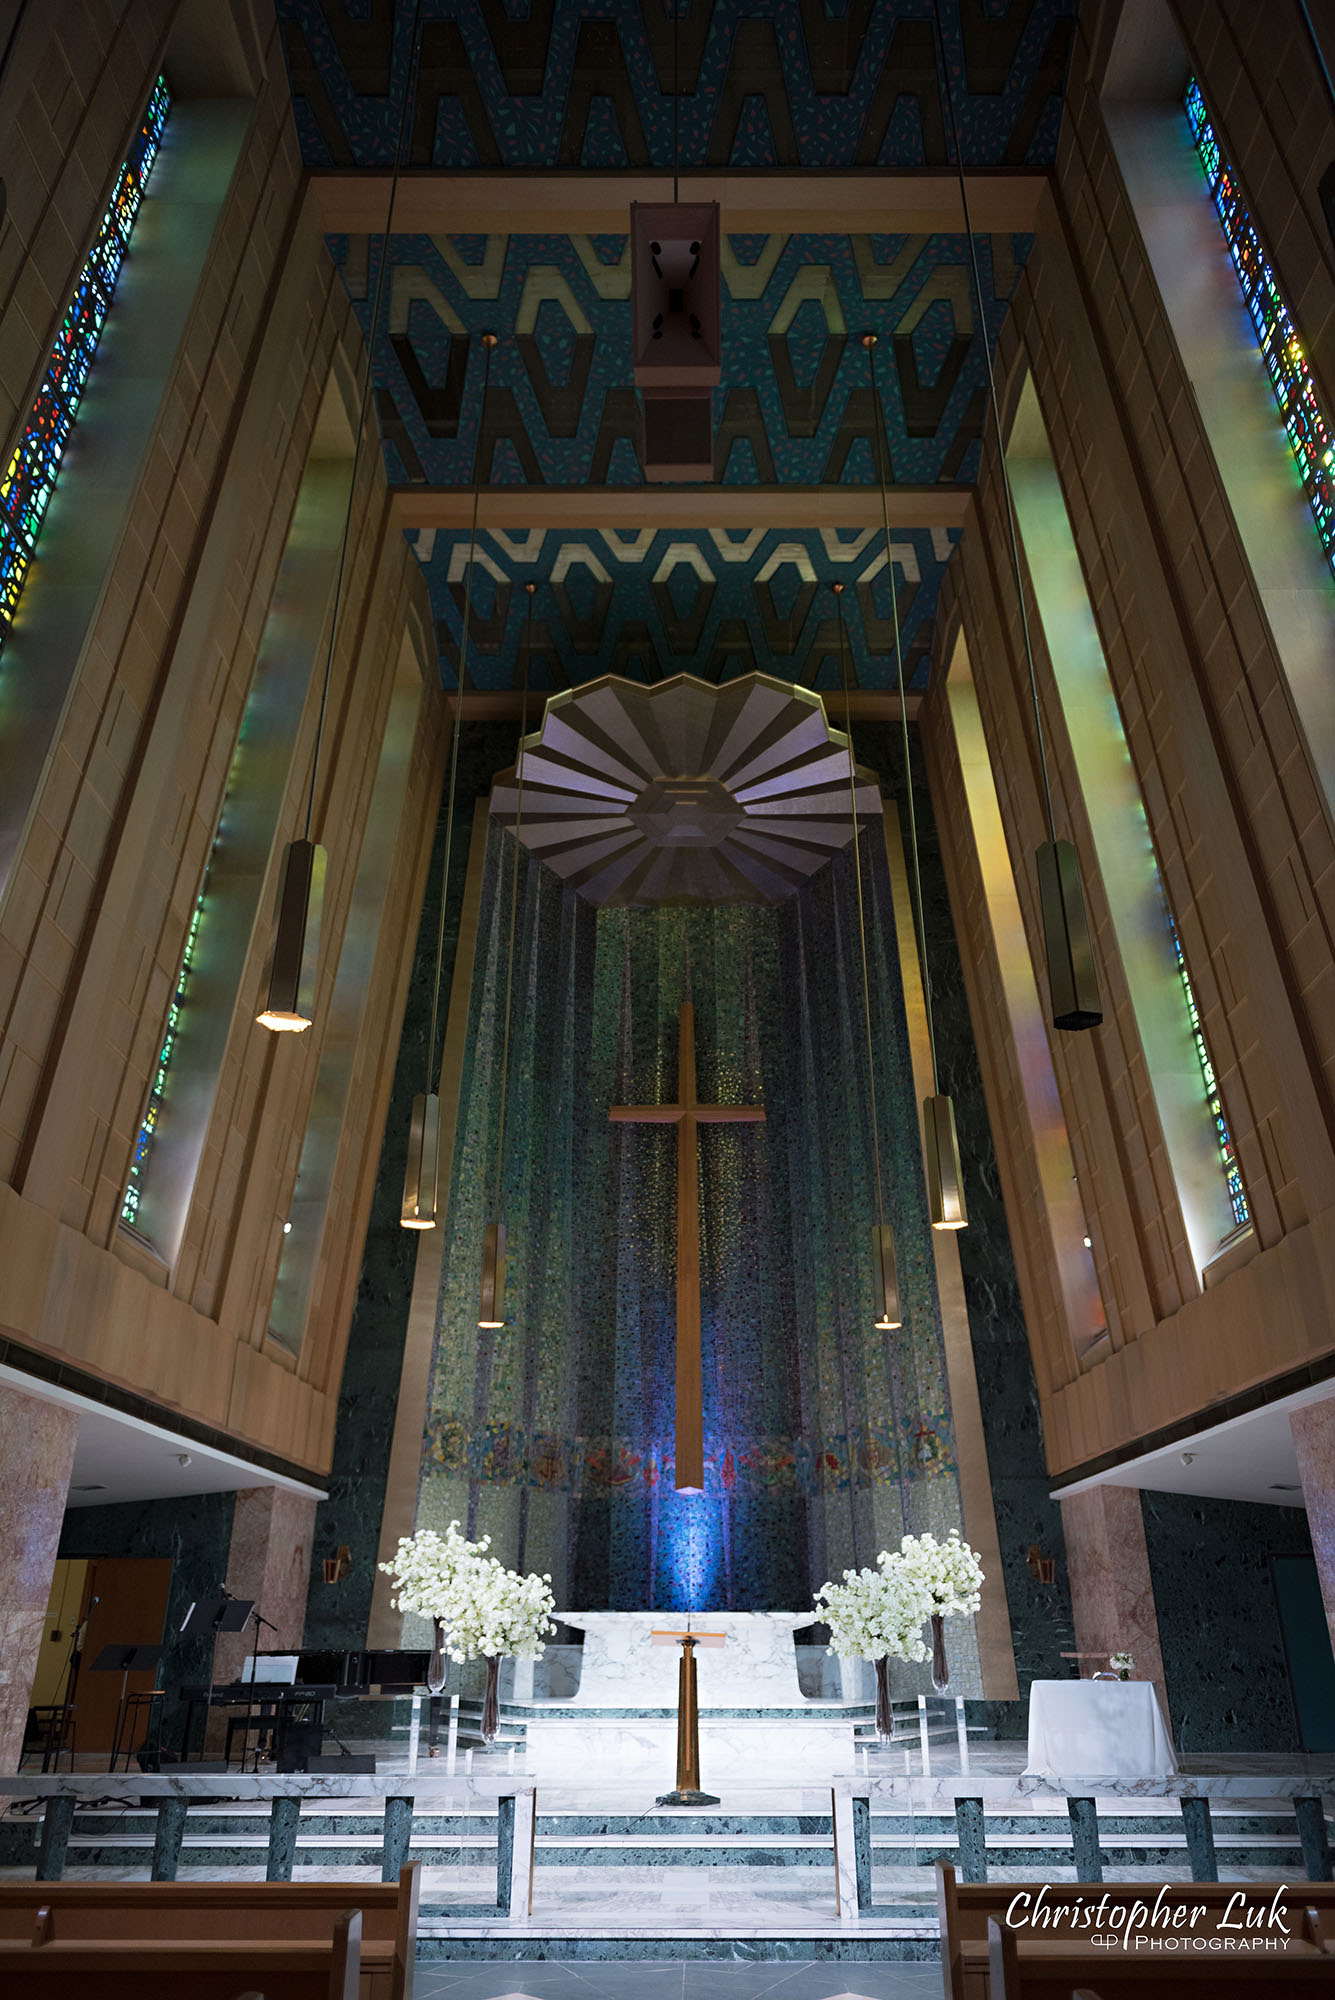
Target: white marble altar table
{"points": [[623, 1669], [1112, 1729], [755, 1722]]}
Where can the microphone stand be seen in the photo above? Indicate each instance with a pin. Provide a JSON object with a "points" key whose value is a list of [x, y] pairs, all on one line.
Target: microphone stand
{"points": [[250, 1689]]}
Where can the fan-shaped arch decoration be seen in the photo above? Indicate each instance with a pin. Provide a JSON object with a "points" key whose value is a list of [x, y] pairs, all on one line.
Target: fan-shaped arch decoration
{"points": [[685, 792]]}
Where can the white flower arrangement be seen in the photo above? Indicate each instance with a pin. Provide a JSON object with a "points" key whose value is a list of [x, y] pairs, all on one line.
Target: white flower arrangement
{"points": [[427, 1567], [1122, 1665], [486, 1609], [875, 1614], [948, 1573]]}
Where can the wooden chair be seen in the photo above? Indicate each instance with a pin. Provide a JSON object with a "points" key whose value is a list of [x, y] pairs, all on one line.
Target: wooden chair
{"points": [[166, 1969], [84, 1914], [1062, 1950]]}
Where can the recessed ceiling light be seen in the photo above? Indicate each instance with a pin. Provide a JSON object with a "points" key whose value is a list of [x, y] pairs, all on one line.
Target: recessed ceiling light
{"points": [[1286, 1489], [88, 1489]]}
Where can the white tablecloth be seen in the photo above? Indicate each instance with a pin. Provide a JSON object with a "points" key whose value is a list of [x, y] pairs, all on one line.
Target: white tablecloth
{"points": [[1107, 1729]]}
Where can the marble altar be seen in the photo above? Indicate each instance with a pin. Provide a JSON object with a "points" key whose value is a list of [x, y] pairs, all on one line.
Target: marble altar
{"points": [[621, 1668], [622, 1722]]}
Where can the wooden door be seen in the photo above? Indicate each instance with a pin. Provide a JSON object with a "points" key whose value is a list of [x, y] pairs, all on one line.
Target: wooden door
{"points": [[131, 1610]]}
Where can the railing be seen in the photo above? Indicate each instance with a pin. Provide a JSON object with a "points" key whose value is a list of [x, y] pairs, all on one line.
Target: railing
{"points": [[516, 1803]]}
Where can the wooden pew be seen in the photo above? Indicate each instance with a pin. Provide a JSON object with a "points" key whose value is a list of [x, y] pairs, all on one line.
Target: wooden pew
{"points": [[1045, 1971], [168, 1968], [267, 1914], [966, 1909]]}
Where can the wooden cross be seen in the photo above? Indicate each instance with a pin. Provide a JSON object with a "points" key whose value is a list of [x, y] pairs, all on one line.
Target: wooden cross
{"points": [[686, 1114]]}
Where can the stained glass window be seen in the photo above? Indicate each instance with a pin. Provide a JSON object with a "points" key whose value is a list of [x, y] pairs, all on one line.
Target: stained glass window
{"points": [[1305, 422], [25, 490], [149, 1124], [1237, 1194]]}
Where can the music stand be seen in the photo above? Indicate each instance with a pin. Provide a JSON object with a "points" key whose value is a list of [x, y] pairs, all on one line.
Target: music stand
{"points": [[212, 1614], [125, 1660]]}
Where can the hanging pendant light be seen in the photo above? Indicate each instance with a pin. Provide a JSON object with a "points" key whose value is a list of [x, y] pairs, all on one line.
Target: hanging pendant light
{"points": [[887, 1275], [421, 1179], [941, 1155], [491, 1311], [289, 1005], [1073, 987], [941, 1152], [422, 1174], [884, 1264]]}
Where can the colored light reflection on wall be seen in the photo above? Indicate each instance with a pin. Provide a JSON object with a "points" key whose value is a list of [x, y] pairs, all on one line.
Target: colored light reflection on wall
{"points": [[29, 479], [1227, 1157], [148, 1127], [690, 1552], [1305, 421]]}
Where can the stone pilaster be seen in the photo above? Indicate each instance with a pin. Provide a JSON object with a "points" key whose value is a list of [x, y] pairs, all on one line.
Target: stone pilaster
{"points": [[1112, 1596], [269, 1562], [37, 1441], [1313, 1431]]}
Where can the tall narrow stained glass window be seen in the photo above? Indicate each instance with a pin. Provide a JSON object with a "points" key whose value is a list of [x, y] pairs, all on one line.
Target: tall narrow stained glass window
{"points": [[1228, 1160], [148, 1127], [28, 481], [1306, 423]]}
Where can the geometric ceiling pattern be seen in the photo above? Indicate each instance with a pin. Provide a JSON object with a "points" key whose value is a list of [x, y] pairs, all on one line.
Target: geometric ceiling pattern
{"points": [[644, 604], [794, 402], [561, 84], [531, 87]]}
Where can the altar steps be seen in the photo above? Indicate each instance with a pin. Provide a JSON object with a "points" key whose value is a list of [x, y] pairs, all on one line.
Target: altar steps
{"points": [[218, 1839]]}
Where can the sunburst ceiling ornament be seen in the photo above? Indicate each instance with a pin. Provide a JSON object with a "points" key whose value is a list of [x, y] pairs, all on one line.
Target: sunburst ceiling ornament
{"points": [[685, 792]]}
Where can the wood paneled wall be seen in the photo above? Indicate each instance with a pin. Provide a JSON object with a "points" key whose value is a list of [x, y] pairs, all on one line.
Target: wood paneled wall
{"points": [[94, 922], [1242, 828]]}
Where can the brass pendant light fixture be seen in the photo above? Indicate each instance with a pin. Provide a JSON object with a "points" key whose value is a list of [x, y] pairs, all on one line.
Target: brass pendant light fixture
{"points": [[289, 1005], [421, 1179], [491, 1310], [1073, 987], [884, 1266], [941, 1157]]}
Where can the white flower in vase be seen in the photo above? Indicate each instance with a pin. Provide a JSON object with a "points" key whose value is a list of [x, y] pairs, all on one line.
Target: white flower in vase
{"points": [[948, 1572]]}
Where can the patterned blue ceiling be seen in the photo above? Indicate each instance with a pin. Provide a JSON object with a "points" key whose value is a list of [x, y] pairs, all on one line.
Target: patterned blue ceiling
{"points": [[649, 604], [762, 83], [514, 85], [794, 405]]}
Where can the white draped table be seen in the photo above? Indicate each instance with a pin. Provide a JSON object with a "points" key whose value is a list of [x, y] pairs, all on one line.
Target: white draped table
{"points": [[1103, 1729]]}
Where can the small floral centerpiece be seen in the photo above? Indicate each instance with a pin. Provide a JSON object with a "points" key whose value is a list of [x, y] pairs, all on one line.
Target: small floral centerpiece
{"points": [[950, 1577], [875, 1614], [479, 1609], [1122, 1665]]}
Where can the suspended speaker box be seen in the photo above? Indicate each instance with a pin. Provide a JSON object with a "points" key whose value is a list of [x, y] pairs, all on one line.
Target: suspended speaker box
{"points": [[678, 434], [674, 294]]}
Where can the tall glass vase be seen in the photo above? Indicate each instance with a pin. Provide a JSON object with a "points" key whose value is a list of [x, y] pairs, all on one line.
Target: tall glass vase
{"points": [[491, 1701], [940, 1666], [436, 1668], [885, 1726]]}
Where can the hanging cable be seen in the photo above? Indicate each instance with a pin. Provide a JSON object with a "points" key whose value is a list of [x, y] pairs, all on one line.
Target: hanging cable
{"points": [[883, 1242], [1072, 977], [869, 342], [422, 1174], [514, 895], [289, 1005], [945, 1181]]}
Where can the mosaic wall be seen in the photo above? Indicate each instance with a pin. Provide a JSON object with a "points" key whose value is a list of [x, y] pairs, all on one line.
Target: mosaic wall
{"points": [[794, 403], [553, 84], [652, 603], [824, 1440]]}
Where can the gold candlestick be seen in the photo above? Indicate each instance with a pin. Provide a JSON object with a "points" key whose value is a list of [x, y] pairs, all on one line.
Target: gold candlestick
{"points": [[688, 1791]]}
